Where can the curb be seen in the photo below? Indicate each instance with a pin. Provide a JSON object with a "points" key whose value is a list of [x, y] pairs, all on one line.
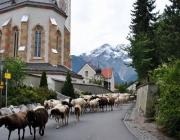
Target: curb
{"points": [[134, 128]]}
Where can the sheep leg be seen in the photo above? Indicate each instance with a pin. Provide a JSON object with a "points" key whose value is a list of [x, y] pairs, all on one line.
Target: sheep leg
{"points": [[34, 133], [67, 119], [9, 134], [41, 131], [23, 133], [62, 122], [57, 126], [30, 129]]}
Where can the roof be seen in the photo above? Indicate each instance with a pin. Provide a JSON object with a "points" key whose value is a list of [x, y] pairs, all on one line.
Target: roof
{"points": [[59, 69], [88, 65], [106, 72], [8, 4]]}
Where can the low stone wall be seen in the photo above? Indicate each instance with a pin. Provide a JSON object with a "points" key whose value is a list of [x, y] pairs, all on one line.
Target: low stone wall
{"points": [[94, 89], [144, 96], [56, 84]]}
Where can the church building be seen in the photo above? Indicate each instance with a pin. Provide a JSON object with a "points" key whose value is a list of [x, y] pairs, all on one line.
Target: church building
{"points": [[39, 32]]}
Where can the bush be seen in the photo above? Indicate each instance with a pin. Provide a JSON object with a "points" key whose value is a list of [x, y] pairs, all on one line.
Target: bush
{"points": [[18, 96], [167, 78], [43, 81], [68, 89]]}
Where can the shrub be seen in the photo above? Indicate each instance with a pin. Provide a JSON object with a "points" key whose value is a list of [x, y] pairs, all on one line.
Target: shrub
{"points": [[18, 96], [43, 81], [167, 78], [67, 89]]}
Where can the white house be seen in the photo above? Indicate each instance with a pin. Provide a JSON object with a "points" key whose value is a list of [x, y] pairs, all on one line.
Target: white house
{"points": [[106, 75]]}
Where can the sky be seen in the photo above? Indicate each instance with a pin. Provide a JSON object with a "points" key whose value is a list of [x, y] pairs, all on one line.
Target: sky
{"points": [[97, 22]]}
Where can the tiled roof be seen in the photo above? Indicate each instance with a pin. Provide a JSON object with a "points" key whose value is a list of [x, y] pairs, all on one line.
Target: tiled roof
{"points": [[106, 72], [39, 67], [7, 4]]}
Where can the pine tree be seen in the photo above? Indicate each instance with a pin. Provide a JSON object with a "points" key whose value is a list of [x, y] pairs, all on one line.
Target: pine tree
{"points": [[68, 89], [43, 81], [171, 30], [143, 49]]}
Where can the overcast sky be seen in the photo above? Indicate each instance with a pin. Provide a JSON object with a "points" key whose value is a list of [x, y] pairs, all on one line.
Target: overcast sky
{"points": [[96, 22]]}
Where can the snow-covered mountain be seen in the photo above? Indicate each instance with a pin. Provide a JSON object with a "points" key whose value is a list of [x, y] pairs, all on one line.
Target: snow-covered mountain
{"points": [[108, 56]]}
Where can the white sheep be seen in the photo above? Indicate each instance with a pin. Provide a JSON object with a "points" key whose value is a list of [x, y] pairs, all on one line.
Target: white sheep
{"points": [[61, 112], [81, 102], [94, 105]]}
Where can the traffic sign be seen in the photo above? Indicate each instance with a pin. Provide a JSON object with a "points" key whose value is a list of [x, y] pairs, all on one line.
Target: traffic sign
{"points": [[7, 76]]}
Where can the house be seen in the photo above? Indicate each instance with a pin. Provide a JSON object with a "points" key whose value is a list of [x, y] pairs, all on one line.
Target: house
{"points": [[91, 74], [39, 32]]}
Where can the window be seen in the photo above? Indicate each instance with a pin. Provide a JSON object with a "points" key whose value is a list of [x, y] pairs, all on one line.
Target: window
{"points": [[86, 73], [57, 40], [37, 45], [16, 36]]}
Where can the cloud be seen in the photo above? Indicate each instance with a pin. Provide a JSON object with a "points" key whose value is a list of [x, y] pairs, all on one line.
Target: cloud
{"points": [[96, 22]]}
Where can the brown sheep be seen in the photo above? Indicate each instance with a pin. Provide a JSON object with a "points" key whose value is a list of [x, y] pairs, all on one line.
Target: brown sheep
{"points": [[103, 102], [77, 112], [37, 117], [15, 121], [111, 102]]}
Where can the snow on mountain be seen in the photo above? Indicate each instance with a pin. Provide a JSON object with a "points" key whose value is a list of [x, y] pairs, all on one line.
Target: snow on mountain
{"points": [[114, 57]]}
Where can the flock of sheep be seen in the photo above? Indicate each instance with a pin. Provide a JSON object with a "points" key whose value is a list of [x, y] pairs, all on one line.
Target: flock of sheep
{"points": [[60, 110]]}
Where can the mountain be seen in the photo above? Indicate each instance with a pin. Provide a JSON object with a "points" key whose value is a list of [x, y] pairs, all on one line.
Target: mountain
{"points": [[107, 56]]}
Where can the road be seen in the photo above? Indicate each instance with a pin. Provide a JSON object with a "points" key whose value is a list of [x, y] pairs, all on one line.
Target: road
{"points": [[106, 125]]}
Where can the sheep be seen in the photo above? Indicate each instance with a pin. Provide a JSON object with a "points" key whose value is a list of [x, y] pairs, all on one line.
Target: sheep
{"points": [[68, 103], [77, 112], [111, 101], [103, 102], [94, 104], [81, 102], [60, 111], [38, 117], [121, 100], [47, 103], [15, 121]]}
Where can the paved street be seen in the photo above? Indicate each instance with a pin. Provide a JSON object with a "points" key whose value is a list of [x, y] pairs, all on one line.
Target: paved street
{"points": [[106, 125]]}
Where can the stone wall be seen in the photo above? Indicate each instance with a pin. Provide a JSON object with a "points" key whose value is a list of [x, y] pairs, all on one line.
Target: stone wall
{"points": [[57, 84], [94, 89], [144, 96]]}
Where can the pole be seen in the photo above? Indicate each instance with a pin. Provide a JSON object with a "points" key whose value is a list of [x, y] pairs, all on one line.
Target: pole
{"points": [[108, 78], [1, 88], [6, 88]]}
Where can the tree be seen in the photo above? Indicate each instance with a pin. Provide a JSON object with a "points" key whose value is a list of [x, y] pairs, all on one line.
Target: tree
{"points": [[122, 88], [168, 31], [43, 81], [68, 89], [15, 67], [143, 49]]}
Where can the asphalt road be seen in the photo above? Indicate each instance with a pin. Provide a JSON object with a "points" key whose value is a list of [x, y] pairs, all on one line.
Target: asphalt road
{"points": [[106, 125]]}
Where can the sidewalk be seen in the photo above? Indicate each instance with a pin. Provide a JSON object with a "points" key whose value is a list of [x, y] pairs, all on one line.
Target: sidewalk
{"points": [[134, 128]]}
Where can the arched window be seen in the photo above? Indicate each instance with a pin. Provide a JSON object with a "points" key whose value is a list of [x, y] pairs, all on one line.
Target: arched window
{"points": [[37, 45], [16, 36], [57, 41]]}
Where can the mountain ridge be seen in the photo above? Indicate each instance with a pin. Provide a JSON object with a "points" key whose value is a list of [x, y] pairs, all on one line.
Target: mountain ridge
{"points": [[107, 56]]}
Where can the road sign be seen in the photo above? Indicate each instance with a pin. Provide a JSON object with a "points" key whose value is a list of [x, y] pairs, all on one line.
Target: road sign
{"points": [[7, 76]]}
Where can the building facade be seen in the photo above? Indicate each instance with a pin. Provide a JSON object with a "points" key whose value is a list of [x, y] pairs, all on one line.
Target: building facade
{"points": [[91, 74], [39, 32], [36, 30]]}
